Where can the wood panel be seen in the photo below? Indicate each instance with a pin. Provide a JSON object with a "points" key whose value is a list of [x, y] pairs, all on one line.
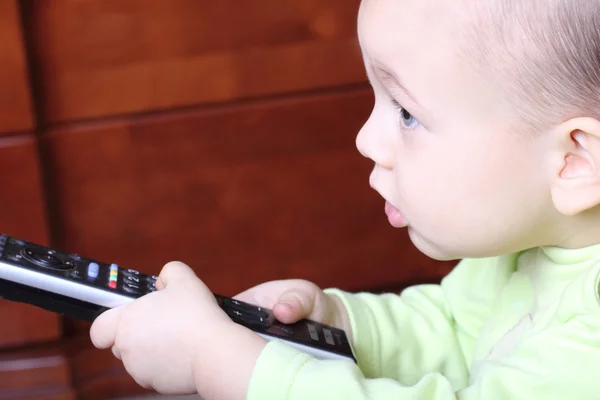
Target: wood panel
{"points": [[104, 57], [15, 101], [243, 194], [35, 374], [22, 214], [97, 374]]}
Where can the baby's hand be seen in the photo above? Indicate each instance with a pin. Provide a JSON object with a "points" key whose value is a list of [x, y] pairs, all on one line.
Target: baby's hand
{"points": [[295, 299], [177, 340]]}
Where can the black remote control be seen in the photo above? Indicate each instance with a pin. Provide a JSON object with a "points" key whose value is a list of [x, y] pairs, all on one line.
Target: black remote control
{"points": [[83, 288]]}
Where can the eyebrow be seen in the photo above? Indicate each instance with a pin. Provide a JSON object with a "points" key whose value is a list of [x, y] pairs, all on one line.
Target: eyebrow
{"points": [[391, 80]]}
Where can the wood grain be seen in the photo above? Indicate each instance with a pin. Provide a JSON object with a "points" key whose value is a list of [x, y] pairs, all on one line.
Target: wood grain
{"points": [[23, 214], [15, 99], [104, 57], [35, 374], [97, 374]]}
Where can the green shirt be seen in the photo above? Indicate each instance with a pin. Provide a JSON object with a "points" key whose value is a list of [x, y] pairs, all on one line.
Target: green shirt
{"points": [[522, 326]]}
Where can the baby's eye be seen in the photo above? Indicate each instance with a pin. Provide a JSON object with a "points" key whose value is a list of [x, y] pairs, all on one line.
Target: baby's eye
{"points": [[405, 118]]}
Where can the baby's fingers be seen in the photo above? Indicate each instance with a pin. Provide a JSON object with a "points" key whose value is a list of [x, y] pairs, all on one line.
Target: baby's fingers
{"points": [[290, 300], [104, 328], [293, 305]]}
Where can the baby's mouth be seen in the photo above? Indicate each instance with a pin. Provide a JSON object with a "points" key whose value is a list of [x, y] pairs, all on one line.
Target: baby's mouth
{"points": [[395, 218]]}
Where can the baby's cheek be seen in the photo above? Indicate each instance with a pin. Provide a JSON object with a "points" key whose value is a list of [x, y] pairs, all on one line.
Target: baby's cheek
{"points": [[436, 198]]}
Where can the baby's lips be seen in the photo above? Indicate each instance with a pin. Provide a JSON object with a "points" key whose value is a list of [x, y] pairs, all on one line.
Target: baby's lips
{"points": [[395, 218]]}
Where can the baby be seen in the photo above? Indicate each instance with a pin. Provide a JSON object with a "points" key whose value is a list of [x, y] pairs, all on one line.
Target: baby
{"points": [[485, 136]]}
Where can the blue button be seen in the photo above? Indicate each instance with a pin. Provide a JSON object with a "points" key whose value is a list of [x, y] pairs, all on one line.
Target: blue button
{"points": [[114, 267], [93, 270]]}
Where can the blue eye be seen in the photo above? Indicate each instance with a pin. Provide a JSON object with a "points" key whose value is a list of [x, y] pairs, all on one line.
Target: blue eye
{"points": [[405, 118]]}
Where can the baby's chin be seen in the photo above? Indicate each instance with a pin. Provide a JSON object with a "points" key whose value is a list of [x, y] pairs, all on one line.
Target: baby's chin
{"points": [[427, 247], [437, 250], [449, 250]]}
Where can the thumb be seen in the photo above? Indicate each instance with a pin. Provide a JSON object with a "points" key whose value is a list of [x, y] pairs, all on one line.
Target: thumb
{"points": [[104, 328], [174, 271], [293, 305]]}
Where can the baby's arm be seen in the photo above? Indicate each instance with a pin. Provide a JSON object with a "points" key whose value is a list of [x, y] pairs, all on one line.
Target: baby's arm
{"points": [[407, 336]]}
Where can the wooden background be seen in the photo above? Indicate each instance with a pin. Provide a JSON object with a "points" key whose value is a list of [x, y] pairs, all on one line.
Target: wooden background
{"points": [[217, 133]]}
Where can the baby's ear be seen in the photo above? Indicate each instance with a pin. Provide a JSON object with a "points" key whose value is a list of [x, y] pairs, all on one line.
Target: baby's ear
{"points": [[576, 183]]}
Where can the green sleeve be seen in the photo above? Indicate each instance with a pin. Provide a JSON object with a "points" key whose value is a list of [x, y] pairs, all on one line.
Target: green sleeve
{"points": [[405, 337], [428, 328], [552, 364]]}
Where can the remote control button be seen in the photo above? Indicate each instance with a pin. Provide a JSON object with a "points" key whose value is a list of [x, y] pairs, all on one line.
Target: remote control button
{"points": [[75, 257], [247, 319], [13, 257], [75, 274], [245, 307], [17, 242], [114, 275], [130, 272], [93, 270], [44, 259], [50, 259], [286, 329], [328, 336], [312, 331], [132, 279], [132, 288], [152, 278], [151, 287], [282, 329]]}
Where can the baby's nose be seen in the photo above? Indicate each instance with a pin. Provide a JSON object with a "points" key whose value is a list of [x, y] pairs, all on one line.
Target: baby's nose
{"points": [[372, 144]]}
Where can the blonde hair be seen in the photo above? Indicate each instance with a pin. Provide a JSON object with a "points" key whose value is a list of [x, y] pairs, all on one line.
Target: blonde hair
{"points": [[543, 54]]}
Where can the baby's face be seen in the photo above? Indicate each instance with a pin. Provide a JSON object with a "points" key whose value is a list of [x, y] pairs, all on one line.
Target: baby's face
{"points": [[445, 156]]}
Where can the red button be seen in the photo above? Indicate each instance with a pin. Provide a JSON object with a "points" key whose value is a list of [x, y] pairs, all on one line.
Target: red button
{"points": [[112, 284]]}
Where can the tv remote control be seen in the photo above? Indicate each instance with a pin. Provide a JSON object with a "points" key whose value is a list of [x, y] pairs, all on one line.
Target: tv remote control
{"points": [[83, 288]]}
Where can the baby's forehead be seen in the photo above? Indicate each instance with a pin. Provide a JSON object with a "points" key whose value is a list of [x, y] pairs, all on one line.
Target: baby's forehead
{"points": [[397, 26], [399, 33], [540, 53]]}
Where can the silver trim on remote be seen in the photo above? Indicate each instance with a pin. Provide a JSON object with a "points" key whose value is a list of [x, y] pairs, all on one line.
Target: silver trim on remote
{"points": [[76, 290], [58, 285]]}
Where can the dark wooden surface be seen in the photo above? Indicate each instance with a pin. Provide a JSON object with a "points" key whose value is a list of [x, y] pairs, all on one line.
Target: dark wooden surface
{"points": [[15, 101], [35, 374], [98, 375], [105, 57], [23, 214]]}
